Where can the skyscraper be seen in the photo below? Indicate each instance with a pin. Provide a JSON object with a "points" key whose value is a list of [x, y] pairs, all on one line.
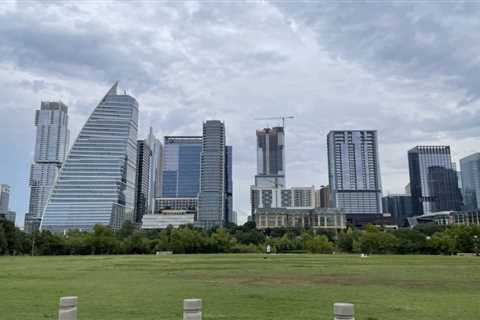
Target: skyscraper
{"points": [[4, 203], [270, 158], [470, 169], [155, 188], [433, 180], [211, 205], [96, 184], [228, 184], [51, 148], [4, 197], [399, 206], [181, 166], [354, 171], [142, 186], [322, 197]]}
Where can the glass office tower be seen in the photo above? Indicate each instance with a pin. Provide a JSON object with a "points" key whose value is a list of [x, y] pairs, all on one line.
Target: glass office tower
{"points": [[155, 187], [96, 184], [399, 206], [228, 184], [142, 186], [433, 180], [354, 171], [470, 169], [181, 167]]}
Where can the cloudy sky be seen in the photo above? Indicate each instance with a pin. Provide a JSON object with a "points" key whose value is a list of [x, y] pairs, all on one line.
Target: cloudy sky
{"points": [[409, 70]]}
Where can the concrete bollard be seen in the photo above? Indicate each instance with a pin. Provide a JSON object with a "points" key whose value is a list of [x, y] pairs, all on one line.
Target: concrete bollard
{"points": [[344, 311], [68, 308], [192, 309]]}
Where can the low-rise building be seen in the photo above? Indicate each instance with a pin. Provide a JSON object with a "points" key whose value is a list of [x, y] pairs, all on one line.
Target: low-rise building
{"points": [[174, 218], [469, 217], [171, 211], [297, 197], [32, 223], [317, 218]]}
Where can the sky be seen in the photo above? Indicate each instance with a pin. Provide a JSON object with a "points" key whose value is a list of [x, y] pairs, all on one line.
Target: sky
{"points": [[410, 70]]}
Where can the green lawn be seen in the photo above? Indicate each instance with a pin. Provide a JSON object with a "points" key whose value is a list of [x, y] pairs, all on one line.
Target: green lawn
{"points": [[242, 286]]}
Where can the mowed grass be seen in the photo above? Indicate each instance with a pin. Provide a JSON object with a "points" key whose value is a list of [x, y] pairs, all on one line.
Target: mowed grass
{"points": [[242, 286]]}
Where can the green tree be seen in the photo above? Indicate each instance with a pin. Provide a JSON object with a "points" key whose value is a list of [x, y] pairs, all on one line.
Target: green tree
{"points": [[375, 241], [443, 243], [127, 230], [318, 244], [3, 242]]}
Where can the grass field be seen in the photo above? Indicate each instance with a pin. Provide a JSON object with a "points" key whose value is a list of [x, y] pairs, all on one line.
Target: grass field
{"points": [[242, 286]]}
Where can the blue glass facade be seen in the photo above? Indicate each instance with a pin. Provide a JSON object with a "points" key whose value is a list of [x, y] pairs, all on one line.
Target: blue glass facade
{"points": [[470, 168], [181, 167], [96, 184], [433, 180]]}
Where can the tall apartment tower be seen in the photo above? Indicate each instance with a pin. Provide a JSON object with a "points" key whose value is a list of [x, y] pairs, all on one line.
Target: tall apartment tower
{"points": [[4, 197], [228, 185], [142, 185], [433, 180], [470, 171], [270, 158], [51, 148], [96, 184], [211, 202], [354, 171]]}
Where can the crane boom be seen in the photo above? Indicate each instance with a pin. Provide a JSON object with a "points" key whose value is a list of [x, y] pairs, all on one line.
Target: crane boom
{"points": [[283, 118]]}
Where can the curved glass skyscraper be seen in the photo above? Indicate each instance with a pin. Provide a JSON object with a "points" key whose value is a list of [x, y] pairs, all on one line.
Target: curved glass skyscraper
{"points": [[96, 184]]}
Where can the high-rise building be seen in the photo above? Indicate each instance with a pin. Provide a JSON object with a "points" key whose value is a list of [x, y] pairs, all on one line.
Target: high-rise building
{"points": [[470, 170], [155, 188], [322, 197], [51, 148], [270, 158], [181, 166], [433, 180], [228, 184], [96, 184], [399, 206], [142, 186], [4, 197], [211, 202], [354, 171], [4, 204], [180, 183]]}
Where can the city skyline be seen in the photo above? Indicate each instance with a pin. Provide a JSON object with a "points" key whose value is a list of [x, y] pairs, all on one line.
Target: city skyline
{"points": [[221, 64]]}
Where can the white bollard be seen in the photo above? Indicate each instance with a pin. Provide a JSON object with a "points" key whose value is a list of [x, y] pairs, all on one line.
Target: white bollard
{"points": [[192, 309], [68, 308], [344, 311]]}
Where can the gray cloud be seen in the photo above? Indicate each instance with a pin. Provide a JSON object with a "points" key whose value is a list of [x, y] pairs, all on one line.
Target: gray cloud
{"points": [[414, 40]]}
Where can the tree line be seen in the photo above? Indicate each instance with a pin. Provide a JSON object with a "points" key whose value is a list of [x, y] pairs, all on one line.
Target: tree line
{"points": [[424, 239]]}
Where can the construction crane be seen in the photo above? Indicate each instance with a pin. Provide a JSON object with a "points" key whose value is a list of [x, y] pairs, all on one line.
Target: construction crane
{"points": [[283, 118]]}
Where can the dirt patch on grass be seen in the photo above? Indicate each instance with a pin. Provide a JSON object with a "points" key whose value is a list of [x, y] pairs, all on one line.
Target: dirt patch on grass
{"points": [[295, 280], [304, 280]]}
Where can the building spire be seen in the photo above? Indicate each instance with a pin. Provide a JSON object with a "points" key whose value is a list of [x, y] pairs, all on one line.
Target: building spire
{"points": [[113, 90]]}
